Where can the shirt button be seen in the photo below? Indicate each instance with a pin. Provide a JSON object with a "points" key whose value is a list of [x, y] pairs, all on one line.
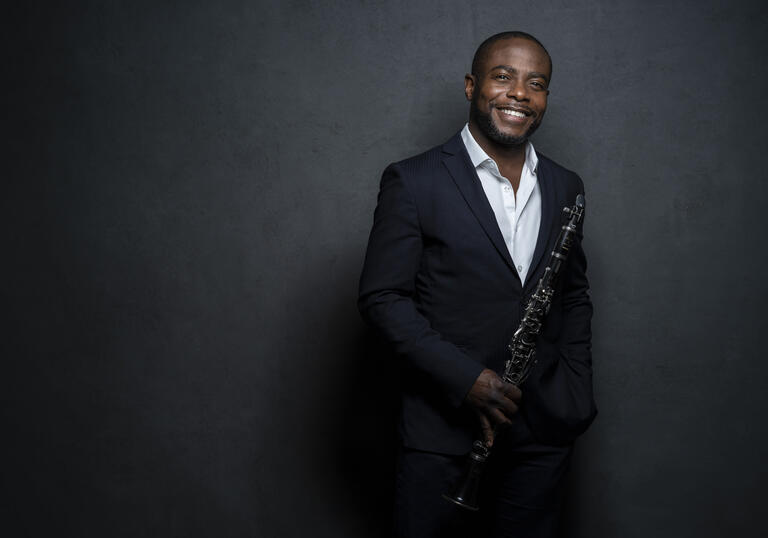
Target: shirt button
{"points": [[519, 268], [506, 188]]}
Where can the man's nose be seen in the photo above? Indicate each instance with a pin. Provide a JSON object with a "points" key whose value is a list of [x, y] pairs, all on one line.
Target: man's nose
{"points": [[518, 90]]}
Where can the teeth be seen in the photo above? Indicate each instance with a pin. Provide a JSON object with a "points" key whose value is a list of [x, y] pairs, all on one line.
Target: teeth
{"points": [[510, 112]]}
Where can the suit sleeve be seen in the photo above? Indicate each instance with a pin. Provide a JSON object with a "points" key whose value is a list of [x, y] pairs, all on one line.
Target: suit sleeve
{"points": [[564, 405], [388, 287]]}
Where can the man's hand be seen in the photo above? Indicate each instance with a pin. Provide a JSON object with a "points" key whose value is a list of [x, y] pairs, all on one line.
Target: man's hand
{"points": [[494, 402]]}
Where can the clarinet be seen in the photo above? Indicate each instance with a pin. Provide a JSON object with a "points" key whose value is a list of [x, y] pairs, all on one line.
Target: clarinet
{"points": [[522, 349]]}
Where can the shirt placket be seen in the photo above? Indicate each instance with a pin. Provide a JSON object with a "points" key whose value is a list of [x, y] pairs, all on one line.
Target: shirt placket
{"points": [[509, 203]]}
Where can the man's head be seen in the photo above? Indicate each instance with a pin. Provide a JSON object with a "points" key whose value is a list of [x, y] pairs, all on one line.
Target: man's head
{"points": [[508, 87]]}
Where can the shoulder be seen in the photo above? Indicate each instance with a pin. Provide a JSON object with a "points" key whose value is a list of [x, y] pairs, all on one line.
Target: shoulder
{"points": [[425, 173], [420, 165]]}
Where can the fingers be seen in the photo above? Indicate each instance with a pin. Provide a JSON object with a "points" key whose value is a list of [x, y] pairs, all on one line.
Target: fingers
{"points": [[490, 394], [498, 417], [504, 399], [495, 382], [513, 392], [508, 399], [482, 389], [508, 407], [487, 429]]}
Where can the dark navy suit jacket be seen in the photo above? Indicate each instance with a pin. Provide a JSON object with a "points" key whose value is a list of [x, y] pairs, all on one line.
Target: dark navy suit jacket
{"points": [[440, 285]]}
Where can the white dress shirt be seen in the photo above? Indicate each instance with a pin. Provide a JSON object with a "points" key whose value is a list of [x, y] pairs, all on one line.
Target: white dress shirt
{"points": [[518, 217]]}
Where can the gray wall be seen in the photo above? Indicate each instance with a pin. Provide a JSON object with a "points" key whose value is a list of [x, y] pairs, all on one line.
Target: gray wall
{"points": [[187, 193]]}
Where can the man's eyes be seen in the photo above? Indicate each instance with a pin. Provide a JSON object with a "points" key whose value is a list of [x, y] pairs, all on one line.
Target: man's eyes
{"points": [[535, 83]]}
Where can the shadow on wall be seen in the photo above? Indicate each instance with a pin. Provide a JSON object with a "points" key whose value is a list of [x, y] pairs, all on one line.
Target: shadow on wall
{"points": [[365, 447], [351, 409]]}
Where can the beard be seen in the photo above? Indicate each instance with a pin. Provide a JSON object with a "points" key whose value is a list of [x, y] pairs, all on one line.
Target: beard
{"points": [[492, 132]]}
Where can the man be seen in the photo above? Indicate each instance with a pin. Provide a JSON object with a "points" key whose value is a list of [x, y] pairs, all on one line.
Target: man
{"points": [[461, 236]]}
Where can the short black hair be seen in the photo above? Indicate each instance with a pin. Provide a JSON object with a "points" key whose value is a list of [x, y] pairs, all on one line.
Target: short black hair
{"points": [[482, 51]]}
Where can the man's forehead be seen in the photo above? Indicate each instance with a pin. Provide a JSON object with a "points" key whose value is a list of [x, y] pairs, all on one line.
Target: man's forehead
{"points": [[516, 50]]}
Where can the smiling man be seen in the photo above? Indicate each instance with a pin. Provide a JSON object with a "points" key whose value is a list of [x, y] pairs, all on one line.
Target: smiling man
{"points": [[461, 236]]}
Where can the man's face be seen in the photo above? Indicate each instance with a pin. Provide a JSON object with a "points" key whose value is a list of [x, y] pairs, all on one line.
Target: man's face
{"points": [[509, 92]]}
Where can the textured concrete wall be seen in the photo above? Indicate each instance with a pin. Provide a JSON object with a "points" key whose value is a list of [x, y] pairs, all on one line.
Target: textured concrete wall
{"points": [[187, 193]]}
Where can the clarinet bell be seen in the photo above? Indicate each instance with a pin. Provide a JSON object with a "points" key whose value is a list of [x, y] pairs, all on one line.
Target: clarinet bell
{"points": [[467, 489]]}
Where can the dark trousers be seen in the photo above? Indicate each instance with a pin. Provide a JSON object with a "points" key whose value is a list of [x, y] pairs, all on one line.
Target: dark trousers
{"points": [[521, 493]]}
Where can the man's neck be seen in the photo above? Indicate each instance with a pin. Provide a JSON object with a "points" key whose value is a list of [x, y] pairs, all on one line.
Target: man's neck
{"points": [[509, 159], [501, 153]]}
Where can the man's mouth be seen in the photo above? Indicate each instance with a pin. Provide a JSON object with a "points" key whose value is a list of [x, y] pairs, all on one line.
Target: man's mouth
{"points": [[514, 112]]}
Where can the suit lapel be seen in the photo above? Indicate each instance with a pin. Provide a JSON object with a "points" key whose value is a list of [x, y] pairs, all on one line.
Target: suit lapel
{"points": [[459, 165], [549, 225]]}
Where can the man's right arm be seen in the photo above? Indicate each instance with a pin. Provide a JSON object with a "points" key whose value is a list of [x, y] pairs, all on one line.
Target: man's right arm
{"points": [[387, 291]]}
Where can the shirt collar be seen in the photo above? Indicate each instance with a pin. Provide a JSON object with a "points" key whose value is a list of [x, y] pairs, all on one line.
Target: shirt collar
{"points": [[478, 156]]}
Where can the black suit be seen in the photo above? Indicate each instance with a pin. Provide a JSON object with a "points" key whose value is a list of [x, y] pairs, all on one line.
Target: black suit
{"points": [[439, 283]]}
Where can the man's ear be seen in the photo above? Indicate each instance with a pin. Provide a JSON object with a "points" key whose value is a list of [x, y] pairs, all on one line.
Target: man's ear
{"points": [[469, 85]]}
